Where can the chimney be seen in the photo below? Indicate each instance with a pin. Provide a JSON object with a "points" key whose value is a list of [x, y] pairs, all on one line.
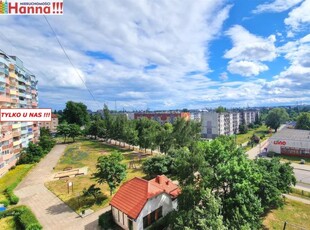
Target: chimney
{"points": [[157, 179]]}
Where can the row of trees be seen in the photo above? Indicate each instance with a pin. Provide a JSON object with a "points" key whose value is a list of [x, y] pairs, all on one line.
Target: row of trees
{"points": [[221, 187], [146, 133]]}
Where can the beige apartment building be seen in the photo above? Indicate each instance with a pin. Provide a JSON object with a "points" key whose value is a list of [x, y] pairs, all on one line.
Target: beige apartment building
{"points": [[51, 125]]}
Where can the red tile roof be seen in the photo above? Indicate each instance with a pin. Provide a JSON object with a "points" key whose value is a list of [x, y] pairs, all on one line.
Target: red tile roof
{"points": [[133, 194]]}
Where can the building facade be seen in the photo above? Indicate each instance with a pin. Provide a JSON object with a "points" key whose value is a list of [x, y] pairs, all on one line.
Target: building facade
{"points": [[18, 89], [51, 125], [149, 201], [291, 142], [164, 117], [227, 123]]}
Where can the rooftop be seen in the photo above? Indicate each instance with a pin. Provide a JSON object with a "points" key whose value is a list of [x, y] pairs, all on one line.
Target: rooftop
{"points": [[133, 194], [292, 134]]}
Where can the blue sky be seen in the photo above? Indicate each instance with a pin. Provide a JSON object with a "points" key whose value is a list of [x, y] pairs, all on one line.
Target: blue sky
{"points": [[167, 54]]}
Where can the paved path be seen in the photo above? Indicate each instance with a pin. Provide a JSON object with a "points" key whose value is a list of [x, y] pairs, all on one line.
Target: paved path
{"points": [[49, 209], [305, 201]]}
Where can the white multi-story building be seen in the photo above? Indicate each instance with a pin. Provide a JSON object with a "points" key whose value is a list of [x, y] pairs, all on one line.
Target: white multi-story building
{"points": [[227, 123], [18, 89]]}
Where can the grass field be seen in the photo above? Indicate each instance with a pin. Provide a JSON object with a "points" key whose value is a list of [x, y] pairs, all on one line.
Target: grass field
{"points": [[85, 153], [260, 131], [296, 214], [293, 159], [14, 176], [8, 223]]}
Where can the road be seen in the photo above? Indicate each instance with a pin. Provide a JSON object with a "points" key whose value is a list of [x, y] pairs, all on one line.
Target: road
{"points": [[303, 178]]}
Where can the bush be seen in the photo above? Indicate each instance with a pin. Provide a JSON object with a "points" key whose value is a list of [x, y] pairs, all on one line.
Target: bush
{"points": [[23, 216], [28, 220], [5, 202], [11, 196], [106, 220], [270, 154]]}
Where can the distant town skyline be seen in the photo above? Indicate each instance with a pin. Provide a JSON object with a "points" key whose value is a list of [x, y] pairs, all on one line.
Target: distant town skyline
{"points": [[166, 55]]}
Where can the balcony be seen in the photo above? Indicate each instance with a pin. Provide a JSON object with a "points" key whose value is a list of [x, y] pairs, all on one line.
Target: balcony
{"points": [[16, 126], [13, 92], [21, 94], [5, 99], [2, 89], [6, 128], [2, 79], [11, 67], [5, 147], [4, 70], [15, 143], [24, 131], [16, 133], [12, 75], [6, 137], [16, 151], [23, 87]]}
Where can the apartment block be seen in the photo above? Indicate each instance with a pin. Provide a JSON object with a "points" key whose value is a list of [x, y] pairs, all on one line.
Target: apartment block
{"points": [[18, 89], [227, 123], [163, 117], [51, 125]]}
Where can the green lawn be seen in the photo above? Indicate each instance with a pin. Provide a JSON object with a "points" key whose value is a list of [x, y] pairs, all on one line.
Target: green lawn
{"points": [[8, 223], [296, 214], [14, 176], [260, 131], [85, 153], [293, 159]]}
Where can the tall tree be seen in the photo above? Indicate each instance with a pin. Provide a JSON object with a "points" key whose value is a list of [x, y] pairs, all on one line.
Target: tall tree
{"points": [[63, 130], [76, 113], [74, 131], [199, 210], [131, 133], [303, 121], [165, 139], [110, 170], [276, 117]]}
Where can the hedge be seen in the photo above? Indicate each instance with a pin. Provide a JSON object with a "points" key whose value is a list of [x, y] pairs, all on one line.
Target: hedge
{"points": [[10, 194], [106, 221], [23, 216]]}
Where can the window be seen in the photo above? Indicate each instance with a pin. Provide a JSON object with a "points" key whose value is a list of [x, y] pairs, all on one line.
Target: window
{"points": [[130, 224], [152, 217]]}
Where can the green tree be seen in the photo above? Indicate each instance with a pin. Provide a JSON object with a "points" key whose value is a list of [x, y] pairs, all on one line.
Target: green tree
{"points": [[243, 128], [32, 154], [199, 210], [131, 133], [63, 130], [165, 139], [303, 121], [76, 113], [276, 117], [277, 178], [46, 141], [110, 170], [74, 131], [157, 165], [147, 133], [96, 128], [220, 109]]}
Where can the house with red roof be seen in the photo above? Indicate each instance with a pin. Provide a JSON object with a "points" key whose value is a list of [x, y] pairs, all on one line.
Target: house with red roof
{"points": [[139, 203]]}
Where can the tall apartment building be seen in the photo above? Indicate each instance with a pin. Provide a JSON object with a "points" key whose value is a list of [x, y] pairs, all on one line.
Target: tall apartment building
{"points": [[215, 124], [18, 89]]}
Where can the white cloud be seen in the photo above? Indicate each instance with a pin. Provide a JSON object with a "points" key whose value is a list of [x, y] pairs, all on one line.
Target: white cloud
{"points": [[246, 68], [276, 6], [224, 76], [249, 51], [299, 16], [171, 35]]}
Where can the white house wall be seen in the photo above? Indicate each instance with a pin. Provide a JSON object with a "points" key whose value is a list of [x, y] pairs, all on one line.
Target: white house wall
{"points": [[154, 203]]}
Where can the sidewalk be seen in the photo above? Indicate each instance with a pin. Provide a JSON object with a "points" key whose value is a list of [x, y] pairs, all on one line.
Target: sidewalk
{"points": [[51, 212], [305, 201], [300, 166]]}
